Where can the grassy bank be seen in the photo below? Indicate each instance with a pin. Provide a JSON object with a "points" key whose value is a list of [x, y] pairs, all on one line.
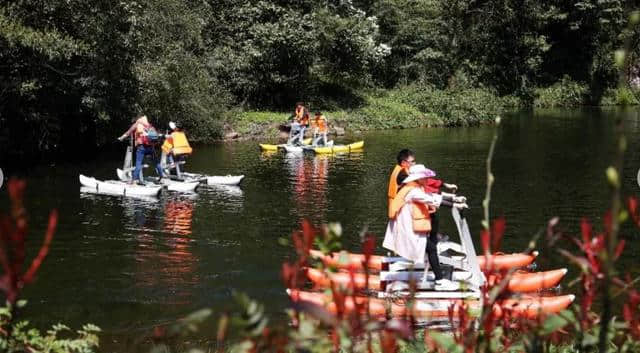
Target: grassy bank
{"points": [[407, 107], [423, 106], [567, 93]]}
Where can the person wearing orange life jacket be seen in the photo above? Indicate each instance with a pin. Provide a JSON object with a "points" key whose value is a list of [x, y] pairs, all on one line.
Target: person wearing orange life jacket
{"points": [[145, 137], [175, 145], [409, 232], [406, 158], [300, 121], [320, 128]]}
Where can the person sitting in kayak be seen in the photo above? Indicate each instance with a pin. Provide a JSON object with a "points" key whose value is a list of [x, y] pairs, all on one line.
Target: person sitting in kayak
{"points": [[300, 121], [319, 125], [145, 137], [175, 146], [409, 232]]}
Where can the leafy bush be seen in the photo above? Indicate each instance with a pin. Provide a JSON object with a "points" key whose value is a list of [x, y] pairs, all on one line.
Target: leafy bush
{"points": [[512, 102], [454, 107], [25, 339], [564, 93], [388, 112], [619, 96], [406, 107], [255, 123]]}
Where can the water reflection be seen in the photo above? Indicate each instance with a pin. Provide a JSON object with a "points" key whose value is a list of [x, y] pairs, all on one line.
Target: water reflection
{"points": [[165, 265], [227, 197], [309, 178], [264, 155], [141, 214], [178, 216]]}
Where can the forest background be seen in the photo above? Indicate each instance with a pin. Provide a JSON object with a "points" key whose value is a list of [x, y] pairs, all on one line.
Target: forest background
{"points": [[74, 73]]}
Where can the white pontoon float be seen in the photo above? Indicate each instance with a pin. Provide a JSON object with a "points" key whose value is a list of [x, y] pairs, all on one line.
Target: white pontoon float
{"points": [[116, 187]]}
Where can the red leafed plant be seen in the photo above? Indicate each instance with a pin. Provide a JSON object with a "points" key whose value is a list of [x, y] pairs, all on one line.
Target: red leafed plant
{"points": [[13, 235], [315, 327], [15, 334]]}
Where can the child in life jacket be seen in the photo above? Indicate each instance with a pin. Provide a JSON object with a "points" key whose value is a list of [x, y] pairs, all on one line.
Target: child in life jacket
{"points": [[320, 128], [175, 146]]}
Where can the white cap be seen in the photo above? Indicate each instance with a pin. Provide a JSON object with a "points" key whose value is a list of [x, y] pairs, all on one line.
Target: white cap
{"points": [[418, 171], [172, 125]]}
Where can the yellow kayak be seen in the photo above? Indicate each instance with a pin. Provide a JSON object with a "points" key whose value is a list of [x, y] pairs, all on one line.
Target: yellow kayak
{"points": [[339, 148], [268, 147]]}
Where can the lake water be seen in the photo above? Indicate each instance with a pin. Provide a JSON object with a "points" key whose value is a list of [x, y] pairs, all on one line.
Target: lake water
{"points": [[127, 265]]}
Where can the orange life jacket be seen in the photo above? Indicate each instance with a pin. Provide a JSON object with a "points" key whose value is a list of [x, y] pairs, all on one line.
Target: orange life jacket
{"points": [[177, 143], [393, 184], [420, 213], [302, 115], [320, 122]]}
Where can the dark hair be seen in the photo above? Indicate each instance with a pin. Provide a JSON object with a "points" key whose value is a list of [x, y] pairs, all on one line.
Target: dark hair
{"points": [[402, 175], [318, 113], [300, 103], [404, 155]]}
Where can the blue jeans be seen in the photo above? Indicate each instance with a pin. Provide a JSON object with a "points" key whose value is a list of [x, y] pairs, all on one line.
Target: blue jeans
{"points": [[297, 133], [141, 151]]}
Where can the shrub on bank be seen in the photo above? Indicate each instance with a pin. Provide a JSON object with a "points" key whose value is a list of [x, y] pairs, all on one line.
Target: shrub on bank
{"points": [[383, 111], [406, 107], [415, 106], [254, 124], [457, 107], [564, 93], [623, 96]]}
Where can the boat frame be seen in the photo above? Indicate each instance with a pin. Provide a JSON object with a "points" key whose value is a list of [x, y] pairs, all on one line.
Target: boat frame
{"points": [[467, 264]]}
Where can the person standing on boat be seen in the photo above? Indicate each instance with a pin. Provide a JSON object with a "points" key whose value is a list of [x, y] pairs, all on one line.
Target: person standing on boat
{"points": [[175, 146], [409, 232], [145, 137], [319, 124], [406, 158], [299, 124]]}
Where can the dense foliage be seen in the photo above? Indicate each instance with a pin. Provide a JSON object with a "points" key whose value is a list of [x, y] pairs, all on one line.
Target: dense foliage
{"points": [[75, 73]]}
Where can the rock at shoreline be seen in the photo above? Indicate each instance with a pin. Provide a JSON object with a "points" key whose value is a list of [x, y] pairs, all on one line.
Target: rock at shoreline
{"points": [[231, 135], [338, 130]]}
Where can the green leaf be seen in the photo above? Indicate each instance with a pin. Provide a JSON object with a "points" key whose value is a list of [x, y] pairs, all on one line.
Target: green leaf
{"points": [[445, 341], [556, 322]]}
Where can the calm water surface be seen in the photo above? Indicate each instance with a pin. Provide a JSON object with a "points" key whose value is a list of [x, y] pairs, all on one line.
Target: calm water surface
{"points": [[127, 265]]}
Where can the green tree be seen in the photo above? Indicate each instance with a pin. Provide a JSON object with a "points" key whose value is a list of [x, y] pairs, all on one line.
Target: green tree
{"points": [[171, 67], [420, 45], [275, 53], [64, 73]]}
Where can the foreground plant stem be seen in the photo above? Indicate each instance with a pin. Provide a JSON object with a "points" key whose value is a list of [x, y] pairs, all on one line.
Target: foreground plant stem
{"points": [[614, 174], [490, 179], [615, 178]]}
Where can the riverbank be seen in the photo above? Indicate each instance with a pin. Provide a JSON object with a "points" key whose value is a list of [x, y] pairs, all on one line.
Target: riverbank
{"points": [[420, 106], [408, 107]]}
